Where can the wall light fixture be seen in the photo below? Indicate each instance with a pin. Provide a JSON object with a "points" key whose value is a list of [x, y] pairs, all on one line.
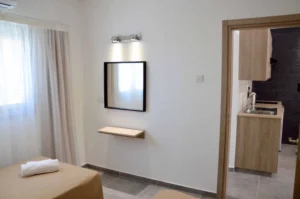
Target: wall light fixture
{"points": [[115, 39], [127, 38]]}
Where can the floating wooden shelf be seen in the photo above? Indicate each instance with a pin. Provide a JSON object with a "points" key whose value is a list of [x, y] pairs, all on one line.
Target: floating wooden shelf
{"points": [[123, 132]]}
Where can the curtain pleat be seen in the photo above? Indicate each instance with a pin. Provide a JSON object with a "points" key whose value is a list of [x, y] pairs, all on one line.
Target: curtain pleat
{"points": [[62, 109]]}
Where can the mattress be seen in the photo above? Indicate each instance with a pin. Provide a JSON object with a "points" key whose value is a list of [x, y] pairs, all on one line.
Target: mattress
{"points": [[70, 182]]}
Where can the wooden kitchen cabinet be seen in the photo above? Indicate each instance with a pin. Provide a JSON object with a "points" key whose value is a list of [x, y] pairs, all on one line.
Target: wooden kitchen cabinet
{"points": [[257, 143], [255, 51]]}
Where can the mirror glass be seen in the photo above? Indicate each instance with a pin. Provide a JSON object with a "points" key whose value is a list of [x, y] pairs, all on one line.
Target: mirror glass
{"points": [[125, 85]]}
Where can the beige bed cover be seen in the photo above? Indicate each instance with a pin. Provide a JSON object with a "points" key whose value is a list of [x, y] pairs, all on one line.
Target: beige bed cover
{"points": [[70, 182]]}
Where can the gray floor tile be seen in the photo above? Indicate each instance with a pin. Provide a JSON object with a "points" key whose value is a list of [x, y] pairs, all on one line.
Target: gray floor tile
{"points": [[288, 150], [274, 190], [287, 162], [241, 176], [286, 166], [113, 194], [242, 185], [287, 157], [283, 175], [126, 186], [149, 192], [229, 197], [107, 178], [242, 188], [279, 186]]}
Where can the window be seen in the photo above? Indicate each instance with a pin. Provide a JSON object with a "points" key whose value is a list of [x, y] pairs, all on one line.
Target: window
{"points": [[12, 85]]}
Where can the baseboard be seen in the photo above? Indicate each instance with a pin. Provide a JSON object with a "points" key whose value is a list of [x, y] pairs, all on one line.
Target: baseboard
{"points": [[151, 181], [231, 169], [260, 173]]}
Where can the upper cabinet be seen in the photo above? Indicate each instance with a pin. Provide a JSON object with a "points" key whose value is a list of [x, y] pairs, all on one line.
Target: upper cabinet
{"points": [[254, 54]]}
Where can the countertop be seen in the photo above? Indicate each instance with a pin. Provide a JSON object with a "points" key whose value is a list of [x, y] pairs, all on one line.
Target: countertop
{"points": [[279, 106]]}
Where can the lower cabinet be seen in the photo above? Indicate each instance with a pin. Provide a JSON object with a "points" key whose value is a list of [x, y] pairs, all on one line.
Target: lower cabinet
{"points": [[257, 143]]}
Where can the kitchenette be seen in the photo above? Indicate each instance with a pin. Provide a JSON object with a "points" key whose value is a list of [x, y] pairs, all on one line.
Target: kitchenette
{"points": [[256, 141], [265, 113]]}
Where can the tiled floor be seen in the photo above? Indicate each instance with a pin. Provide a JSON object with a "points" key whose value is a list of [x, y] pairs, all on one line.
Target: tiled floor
{"points": [[115, 187], [279, 186], [240, 185]]}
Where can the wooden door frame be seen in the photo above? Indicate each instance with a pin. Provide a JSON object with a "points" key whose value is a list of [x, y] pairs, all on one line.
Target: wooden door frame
{"points": [[228, 27]]}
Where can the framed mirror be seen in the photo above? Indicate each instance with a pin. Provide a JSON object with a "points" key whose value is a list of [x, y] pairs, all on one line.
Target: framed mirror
{"points": [[125, 85]]}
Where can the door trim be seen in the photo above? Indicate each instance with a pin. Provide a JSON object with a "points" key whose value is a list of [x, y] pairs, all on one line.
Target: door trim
{"points": [[228, 26]]}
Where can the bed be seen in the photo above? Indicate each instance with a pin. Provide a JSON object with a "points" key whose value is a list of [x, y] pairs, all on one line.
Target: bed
{"points": [[171, 194], [70, 182]]}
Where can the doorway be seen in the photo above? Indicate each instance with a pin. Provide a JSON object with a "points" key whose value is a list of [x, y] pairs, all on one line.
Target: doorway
{"points": [[227, 91]]}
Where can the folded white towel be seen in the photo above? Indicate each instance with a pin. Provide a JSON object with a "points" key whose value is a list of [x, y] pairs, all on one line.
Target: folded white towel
{"points": [[39, 167]]}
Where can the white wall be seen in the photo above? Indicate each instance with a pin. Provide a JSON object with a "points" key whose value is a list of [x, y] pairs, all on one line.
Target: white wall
{"points": [[180, 40], [235, 97], [64, 12]]}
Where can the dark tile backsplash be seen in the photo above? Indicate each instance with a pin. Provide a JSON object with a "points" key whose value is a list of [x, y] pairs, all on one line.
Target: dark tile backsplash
{"points": [[283, 85]]}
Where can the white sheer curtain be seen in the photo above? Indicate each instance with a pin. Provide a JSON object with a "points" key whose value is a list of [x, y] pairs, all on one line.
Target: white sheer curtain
{"points": [[35, 116], [18, 133]]}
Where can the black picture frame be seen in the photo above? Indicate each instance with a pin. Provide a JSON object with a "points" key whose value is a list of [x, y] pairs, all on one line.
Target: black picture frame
{"points": [[144, 86]]}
